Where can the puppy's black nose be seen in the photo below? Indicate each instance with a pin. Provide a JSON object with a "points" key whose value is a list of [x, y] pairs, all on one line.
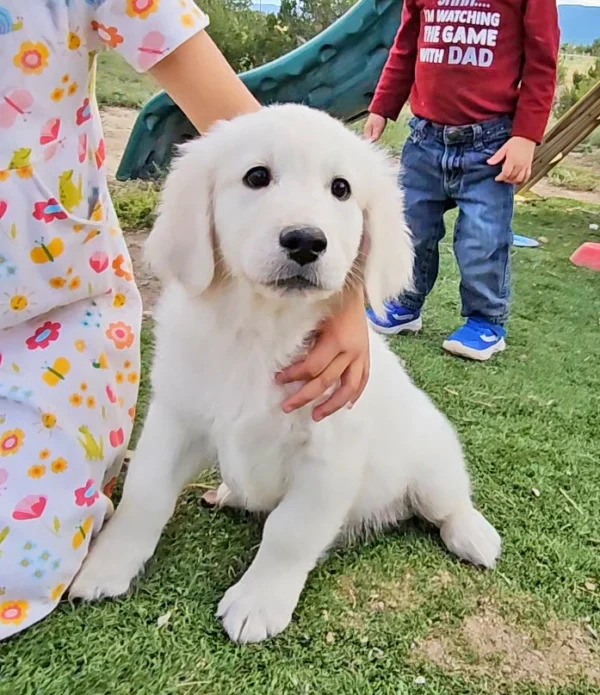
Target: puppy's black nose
{"points": [[303, 244]]}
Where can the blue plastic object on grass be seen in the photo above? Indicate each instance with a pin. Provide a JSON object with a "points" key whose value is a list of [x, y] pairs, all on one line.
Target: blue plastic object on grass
{"points": [[524, 241], [337, 71]]}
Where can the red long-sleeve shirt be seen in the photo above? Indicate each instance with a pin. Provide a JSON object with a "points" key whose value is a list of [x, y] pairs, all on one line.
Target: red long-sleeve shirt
{"points": [[468, 61]]}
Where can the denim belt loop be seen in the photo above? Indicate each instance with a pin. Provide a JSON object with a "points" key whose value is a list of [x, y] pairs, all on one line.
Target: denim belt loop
{"points": [[419, 130], [478, 137]]}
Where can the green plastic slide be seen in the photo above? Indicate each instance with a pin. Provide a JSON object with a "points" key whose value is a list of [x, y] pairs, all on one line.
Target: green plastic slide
{"points": [[337, 71]]}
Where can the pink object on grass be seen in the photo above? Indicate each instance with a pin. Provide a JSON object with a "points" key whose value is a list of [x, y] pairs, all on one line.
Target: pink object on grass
{"points": [[587, 256]]}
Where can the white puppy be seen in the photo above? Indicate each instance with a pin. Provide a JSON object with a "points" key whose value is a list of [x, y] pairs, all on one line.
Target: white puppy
{"points": [[259, 231]]}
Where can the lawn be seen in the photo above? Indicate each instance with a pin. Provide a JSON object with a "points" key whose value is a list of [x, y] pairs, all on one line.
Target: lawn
{"points": [[397, 614], [577, 177], [120, 85]]}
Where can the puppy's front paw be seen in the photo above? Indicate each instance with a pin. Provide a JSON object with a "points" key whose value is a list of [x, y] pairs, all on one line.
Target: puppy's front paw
{"points": [[107, 571], [252, 611]]}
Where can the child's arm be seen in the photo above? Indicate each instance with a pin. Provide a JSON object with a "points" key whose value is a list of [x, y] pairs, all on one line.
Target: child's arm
{"points": [[538, 83], [202, 83], [398, 75]]}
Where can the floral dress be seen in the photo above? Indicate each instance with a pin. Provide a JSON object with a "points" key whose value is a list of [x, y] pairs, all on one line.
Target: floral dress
{"points": [[70, 312]]}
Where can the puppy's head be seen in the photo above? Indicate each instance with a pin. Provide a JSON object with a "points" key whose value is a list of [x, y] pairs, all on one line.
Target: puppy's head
{"points": [[289, 201]]}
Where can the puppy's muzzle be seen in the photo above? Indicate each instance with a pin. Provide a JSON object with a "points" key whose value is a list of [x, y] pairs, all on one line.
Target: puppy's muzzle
{"points": [[303, 245]]}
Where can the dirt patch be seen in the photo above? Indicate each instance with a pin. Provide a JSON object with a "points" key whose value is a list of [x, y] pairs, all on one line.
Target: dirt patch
{"points": [[488, 645], [118, 124], [148, 285], [546, 190], [393, 595], [380, 595]]}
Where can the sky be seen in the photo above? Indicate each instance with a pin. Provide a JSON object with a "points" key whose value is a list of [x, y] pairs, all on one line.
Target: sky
{"points": [[587, 3]]}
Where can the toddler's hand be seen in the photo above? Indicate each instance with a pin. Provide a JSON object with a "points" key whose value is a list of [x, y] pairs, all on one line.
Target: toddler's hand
{"points": [[374, 127], [517, 156]]}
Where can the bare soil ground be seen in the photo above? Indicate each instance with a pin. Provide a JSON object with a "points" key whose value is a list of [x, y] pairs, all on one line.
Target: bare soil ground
{"points": [[118, 123]]}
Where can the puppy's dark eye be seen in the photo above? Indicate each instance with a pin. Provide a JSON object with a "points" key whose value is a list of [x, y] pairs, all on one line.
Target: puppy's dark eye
{"points": [[258, 177], [340, 189]]}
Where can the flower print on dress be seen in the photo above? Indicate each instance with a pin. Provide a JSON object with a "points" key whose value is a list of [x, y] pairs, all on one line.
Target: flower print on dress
{"points": [[13, 612], [87, 495], [59, 465], [11, 441], [32, 57], [36, 471], [43, 336], [141, 9], [109, 36], [121, 335]]}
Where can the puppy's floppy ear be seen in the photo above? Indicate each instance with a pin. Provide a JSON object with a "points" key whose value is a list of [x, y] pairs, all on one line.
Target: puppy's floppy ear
{"points": [[389, 264], [180, 246]]}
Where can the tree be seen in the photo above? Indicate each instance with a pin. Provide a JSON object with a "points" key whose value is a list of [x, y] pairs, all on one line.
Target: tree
{"points": [[249, 39], [582, 83]]}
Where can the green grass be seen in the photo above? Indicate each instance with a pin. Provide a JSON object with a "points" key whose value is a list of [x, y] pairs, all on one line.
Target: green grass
{"points": [[120, 85], [530, 419], [576, 63], [574, 178], [394, 134], [135, 203]]}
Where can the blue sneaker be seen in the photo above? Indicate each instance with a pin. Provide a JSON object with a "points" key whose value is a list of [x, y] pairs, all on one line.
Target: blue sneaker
{"points": [[397, 319], [476, 340]]}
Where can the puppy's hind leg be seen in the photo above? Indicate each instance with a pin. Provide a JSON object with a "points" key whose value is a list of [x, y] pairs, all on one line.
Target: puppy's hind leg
{"points": [[167, 457], [440, 493]]}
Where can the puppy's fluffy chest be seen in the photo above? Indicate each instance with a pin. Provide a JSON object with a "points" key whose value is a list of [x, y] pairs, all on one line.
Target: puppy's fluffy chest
{"points": [[258, 447]]}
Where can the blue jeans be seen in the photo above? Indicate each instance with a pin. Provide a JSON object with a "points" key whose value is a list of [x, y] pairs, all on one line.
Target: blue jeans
{"points": [[445, 167]]}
